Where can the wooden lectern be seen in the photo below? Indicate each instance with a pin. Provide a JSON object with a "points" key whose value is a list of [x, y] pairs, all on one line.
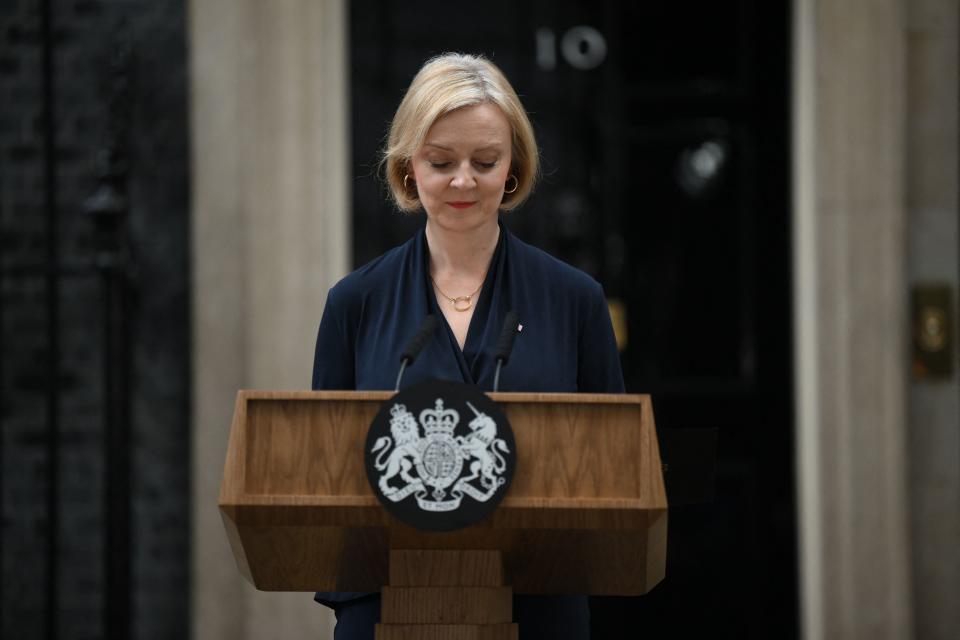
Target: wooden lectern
{"points": [[586, 513]]}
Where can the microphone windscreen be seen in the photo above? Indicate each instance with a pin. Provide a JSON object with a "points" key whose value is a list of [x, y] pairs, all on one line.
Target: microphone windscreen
{"points": [[507, 334], [430, 324]]}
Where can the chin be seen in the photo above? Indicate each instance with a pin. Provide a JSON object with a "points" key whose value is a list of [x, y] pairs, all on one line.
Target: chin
{"points": [[463, 221]]}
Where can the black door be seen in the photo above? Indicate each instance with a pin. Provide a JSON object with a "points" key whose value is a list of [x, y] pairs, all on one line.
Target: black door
{"points": [[664, 136]]}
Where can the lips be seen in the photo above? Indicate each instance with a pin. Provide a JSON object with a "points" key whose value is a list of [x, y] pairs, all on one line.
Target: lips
{"points": [[461, 205]]}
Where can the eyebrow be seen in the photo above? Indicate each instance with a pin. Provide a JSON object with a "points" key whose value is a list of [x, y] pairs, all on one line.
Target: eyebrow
{"points": [[489, 147]]}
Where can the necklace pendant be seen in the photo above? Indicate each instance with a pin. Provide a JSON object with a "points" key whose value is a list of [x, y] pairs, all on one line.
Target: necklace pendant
{"points": [[462, 303]]}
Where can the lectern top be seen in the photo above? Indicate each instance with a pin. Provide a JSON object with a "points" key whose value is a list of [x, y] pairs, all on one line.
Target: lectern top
{"points": [[500, 396]]}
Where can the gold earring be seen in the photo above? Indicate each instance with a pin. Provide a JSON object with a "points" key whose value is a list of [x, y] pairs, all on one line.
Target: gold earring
{"points": [[405, 185], [516, 184]]}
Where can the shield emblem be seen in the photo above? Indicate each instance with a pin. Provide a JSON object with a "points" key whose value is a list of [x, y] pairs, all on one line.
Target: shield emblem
{"points": [[440, 455]]}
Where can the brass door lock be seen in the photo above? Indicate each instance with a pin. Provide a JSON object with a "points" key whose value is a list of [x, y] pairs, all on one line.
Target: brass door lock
{"points": [[932, 324]]}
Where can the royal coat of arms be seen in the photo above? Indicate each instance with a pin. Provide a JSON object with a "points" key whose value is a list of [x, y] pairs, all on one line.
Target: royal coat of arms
{"points": [[439, 458], [433, 460]]}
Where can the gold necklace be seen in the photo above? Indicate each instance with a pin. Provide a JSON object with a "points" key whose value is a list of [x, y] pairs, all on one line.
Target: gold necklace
{"points": [[460, 303]]}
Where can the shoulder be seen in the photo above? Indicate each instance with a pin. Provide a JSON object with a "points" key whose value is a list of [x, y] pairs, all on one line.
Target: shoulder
{"points": [[379, 273], [561, 277]]}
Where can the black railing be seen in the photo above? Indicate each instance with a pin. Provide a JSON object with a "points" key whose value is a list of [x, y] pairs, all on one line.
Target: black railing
{"points": [[51, 282], [112, 265], [94, 200], [108, 209]]}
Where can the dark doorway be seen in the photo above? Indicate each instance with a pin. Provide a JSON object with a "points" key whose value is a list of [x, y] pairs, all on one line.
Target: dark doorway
{"points": [[664, 135]]}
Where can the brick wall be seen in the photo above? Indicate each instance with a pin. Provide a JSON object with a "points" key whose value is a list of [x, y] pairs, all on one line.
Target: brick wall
{"points": [[86, 36]]}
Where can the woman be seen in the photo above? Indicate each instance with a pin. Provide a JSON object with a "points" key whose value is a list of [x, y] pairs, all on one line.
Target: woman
{"points": [[461, 148]]}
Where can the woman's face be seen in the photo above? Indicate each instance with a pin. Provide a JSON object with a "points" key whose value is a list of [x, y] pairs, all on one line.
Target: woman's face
{"points": [[461, 169]]}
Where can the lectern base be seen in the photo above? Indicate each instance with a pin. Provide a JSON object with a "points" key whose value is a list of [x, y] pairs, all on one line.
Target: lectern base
{"points": [[446, 595], [448, 632]]}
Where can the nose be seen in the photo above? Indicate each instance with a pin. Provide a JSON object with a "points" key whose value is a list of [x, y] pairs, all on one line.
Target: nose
{"points": [[463, 177]]}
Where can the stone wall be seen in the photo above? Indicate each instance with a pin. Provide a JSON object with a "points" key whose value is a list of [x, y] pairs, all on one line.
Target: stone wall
{"points": [[86, 36]]}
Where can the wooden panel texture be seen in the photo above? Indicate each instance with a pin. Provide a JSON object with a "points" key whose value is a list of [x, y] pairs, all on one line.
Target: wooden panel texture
{"points": [[440, 602], [446, 605], [586, 512], [307, 448], [426, 568], [448, 632]]}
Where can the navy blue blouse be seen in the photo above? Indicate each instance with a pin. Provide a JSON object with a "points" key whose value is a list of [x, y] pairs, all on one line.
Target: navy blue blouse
{"points": [[566, 345]]}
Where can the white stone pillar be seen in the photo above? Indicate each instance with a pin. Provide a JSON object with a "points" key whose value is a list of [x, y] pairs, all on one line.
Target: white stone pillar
{"points": [[850, 318], [270, 234]]}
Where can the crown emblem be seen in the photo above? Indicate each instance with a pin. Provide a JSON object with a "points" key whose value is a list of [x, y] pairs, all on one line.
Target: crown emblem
{"points": [[421, 469], [439, 421]]}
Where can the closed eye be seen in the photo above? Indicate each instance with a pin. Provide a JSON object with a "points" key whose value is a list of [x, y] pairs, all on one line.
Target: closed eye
{"points": [[444, 165]]}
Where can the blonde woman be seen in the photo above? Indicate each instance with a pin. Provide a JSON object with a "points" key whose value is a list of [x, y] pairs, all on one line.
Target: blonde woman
{"points": [[461, 150]]}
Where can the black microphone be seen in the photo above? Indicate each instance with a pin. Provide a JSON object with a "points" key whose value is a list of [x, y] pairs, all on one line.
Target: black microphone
{"points": [[416, 344], [511, 326]]}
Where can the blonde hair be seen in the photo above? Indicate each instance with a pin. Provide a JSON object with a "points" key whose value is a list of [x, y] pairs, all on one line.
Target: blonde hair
{"points": [[446, 83]]}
